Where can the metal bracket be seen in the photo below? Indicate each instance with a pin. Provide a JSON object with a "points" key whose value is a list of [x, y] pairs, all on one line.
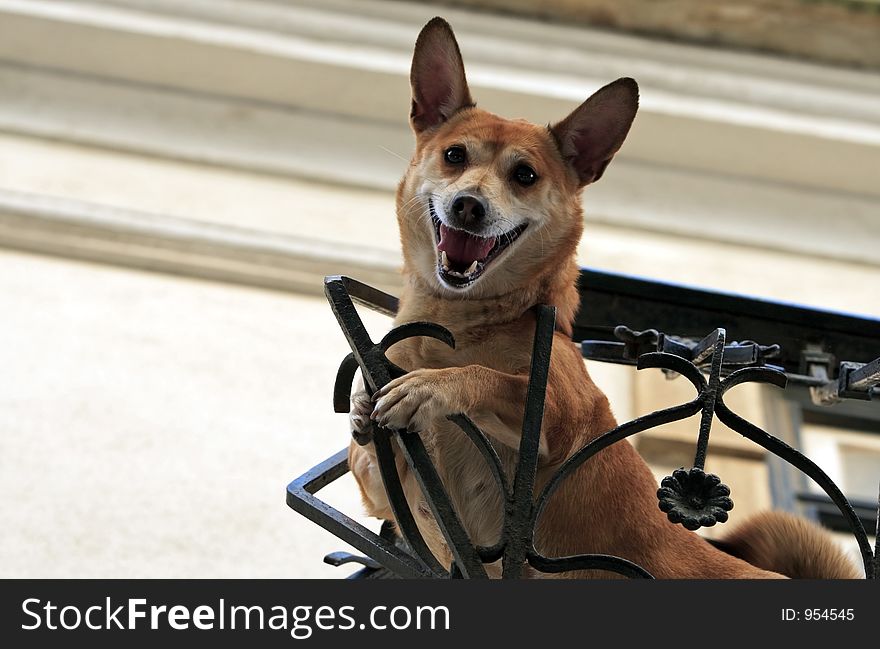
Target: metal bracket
{"points": [[636, 343], [854, 380]]}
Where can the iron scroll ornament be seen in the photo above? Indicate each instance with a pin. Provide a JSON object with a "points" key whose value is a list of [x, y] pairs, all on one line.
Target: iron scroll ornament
{"points": [[516, 549]]}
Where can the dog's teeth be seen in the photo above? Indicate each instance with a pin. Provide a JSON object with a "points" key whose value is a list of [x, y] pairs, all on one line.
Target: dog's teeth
{"points": [[444, 262]]}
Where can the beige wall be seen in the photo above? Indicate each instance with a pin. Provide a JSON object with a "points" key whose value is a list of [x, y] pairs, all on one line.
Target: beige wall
{"points": [[843, 32]]}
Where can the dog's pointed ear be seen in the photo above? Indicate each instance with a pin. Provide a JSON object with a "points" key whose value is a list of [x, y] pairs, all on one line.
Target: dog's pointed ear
{"points": [[590, 136], [439, 87]]}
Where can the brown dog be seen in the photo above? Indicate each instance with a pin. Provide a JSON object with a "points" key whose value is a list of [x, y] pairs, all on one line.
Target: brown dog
{"points": [[490, 217]]}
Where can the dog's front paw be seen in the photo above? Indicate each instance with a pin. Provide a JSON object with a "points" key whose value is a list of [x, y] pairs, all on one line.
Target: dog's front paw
{"points": [[359, 416], [414, 401]]}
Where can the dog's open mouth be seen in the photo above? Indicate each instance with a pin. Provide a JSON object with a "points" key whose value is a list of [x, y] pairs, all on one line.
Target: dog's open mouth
{"points": [[462, 256]]}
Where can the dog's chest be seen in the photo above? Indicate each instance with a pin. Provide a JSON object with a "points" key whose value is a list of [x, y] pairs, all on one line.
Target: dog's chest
{"points": [[476, 496]]}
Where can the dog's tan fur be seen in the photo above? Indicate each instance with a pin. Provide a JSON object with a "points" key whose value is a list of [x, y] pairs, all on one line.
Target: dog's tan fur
{"points": [[609, 505]]}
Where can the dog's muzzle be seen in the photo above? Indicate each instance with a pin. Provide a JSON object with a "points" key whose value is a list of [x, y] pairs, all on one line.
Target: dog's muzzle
{"points": [[462, 255]]}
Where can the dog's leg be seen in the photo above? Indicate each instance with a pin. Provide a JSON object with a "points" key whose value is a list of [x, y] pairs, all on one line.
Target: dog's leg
{"points": [[364, 466], [575, 410], [362, 460], [493, 399]]}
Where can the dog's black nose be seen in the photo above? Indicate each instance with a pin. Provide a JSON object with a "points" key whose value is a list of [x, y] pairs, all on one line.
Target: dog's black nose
{"points": [[468, 209]]}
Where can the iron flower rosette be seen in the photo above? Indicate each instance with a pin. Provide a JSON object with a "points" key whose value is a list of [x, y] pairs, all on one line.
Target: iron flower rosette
{"points": [[694, 498]]}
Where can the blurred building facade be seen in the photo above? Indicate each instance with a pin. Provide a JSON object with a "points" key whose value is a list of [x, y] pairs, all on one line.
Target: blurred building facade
{"points": [[259, 143]]}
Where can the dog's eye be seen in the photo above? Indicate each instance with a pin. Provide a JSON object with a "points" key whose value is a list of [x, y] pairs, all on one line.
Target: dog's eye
{"points": [[525, 175], [455, 155]]}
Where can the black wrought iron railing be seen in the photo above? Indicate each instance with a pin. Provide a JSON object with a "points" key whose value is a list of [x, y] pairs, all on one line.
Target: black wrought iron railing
{"points": [[833, 355]]}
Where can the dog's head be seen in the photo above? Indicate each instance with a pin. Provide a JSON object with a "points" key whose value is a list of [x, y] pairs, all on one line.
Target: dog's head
{"points": [[490, 203]]}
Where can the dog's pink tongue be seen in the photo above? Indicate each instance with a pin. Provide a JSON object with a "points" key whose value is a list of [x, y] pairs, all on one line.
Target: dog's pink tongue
{"points": [[463, 248]]}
